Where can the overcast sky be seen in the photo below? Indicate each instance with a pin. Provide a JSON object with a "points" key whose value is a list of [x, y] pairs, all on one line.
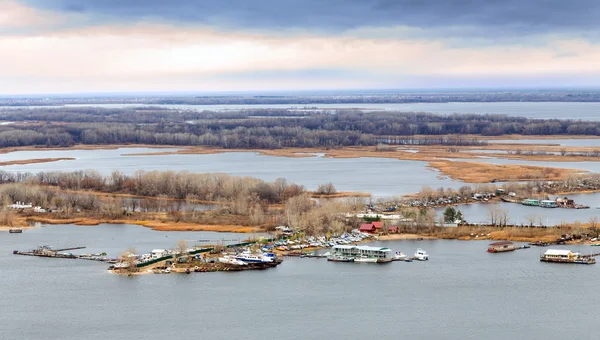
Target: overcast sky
{"points": [[68, 46]]}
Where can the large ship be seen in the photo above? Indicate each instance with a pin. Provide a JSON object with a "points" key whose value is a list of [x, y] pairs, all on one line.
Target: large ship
{"points": [[566, 256]]}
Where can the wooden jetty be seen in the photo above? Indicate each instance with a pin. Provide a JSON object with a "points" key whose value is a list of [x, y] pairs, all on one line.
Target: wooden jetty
{"points": [[46, 251]]}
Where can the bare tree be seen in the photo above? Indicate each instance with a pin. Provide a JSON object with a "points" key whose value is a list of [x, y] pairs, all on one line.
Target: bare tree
{"points": [[182, 247], [326, 189], [129, 258]]}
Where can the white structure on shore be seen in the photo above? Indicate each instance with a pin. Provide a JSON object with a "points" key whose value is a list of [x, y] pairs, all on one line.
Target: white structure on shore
{"points": [[158, 253]]}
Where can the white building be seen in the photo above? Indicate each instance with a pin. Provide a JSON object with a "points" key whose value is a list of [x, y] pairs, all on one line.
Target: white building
{"points": [[381, 253], [158, 253]]}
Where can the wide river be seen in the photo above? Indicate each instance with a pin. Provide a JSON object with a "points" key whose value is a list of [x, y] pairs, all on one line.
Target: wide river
{"points": [[538, 110], [462, 292]]}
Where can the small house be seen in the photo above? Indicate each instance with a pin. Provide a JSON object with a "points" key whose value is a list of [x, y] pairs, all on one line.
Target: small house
{"points": [[158, 253], [367, 228], [371, 228]]}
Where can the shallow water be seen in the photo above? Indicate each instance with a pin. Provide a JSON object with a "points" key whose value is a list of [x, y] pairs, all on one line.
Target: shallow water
{"points": [[379, 176], [461, 293]]}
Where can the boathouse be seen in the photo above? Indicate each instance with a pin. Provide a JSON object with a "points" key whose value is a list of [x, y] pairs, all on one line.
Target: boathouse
{"points": [[502, 246]]}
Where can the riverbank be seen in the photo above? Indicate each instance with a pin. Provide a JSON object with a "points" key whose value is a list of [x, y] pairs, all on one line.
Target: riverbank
{"points": [[152, 224], [34, 161]]}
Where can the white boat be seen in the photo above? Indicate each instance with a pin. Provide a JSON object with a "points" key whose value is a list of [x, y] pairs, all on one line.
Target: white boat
{"points": [[399, 256], [421, 255], [253, 258], [365, 259], [230, 260]]}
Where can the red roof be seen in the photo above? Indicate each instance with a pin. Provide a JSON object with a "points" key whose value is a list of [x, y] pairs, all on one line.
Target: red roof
{"points": [[366, 227], [378, 225], [393, 228], [501, 243]]}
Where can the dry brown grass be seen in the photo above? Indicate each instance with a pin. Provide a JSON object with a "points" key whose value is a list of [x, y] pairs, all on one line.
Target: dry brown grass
{"points": [[343, 194], [473, 172], [32, 161], [517, 234], [154, 224]]}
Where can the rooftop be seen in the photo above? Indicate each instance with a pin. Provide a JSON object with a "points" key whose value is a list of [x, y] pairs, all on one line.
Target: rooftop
{"points": [[558, 252]]}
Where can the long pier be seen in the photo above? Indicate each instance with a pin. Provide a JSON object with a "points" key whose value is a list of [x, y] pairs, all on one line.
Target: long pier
{"points": [[45, 251]]}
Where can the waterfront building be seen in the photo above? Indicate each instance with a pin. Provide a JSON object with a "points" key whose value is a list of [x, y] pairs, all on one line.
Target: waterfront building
{"points": [[381, 253]]}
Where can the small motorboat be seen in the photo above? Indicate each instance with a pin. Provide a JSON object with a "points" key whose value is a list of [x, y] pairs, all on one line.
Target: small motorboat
{"points": [[421, 255], [399, 256], [15, 230]]}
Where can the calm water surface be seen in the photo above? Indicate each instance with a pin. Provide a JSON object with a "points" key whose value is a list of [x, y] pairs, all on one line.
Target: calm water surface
{"points": [[461, 293], [539, 110], [379, 176]]}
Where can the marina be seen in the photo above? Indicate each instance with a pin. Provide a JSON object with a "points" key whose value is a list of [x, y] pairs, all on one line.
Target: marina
{"points": [[457, 276]]}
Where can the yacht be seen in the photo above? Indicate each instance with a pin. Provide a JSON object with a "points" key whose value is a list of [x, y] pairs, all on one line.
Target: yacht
{"points": [[421, 255], [230, 260], [253, 258]]}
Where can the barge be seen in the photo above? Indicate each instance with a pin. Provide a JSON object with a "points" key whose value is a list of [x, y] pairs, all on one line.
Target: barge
{"points": [[566, 256], [502, 246]]}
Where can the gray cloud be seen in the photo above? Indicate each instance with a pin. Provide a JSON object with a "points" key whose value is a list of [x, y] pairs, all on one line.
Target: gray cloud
{"points": [[485, 18]]}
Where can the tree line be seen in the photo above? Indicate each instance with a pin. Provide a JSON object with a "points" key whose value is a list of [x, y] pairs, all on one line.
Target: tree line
{"points": [[264, 128]]}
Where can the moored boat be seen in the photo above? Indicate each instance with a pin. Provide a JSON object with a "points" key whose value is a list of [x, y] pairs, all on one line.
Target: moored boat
{"points": [[566, 256], [230, 260], [399, 256], [421, 255], [15, 230], [253, 258]]}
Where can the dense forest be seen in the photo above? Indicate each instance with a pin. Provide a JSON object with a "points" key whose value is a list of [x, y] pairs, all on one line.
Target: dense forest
{"points": [[326, 97], [261, 128]]}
